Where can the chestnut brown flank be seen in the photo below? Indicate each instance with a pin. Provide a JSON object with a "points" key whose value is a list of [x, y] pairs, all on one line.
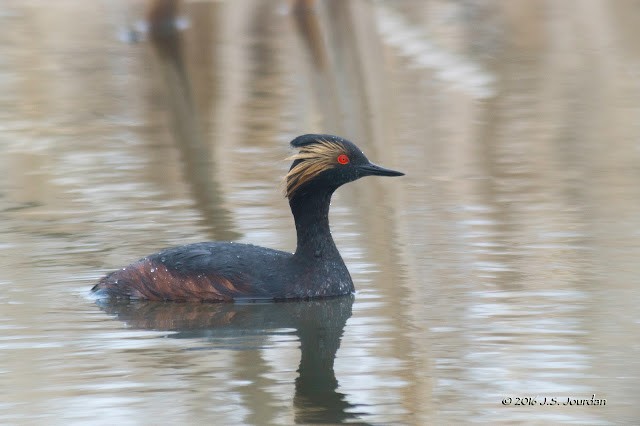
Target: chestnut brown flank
{"points": [[152, 280], [317, 157]]}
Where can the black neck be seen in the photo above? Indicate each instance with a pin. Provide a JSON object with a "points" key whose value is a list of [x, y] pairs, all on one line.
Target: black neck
{"points": [[311, 214]]}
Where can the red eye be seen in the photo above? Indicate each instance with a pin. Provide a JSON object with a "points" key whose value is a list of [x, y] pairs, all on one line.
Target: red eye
{"points": [[343, 159]]}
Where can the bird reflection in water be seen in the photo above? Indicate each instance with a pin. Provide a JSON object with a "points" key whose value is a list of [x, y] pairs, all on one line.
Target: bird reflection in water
{"points": [[318, 325]]}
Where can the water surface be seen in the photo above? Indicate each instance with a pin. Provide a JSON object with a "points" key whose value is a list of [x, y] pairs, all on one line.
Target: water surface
{"points": [[503, 265]]}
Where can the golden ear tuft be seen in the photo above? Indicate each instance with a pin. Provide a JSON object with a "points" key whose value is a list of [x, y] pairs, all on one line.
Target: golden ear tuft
{"points": [[315, 158]]}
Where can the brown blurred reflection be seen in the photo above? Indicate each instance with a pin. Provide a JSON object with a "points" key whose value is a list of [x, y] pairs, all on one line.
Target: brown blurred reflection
{"points": [[307, 21], [197, 157]]}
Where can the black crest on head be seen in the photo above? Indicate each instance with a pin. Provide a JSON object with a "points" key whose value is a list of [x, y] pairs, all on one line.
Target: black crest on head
{"points": [[311, 138]]}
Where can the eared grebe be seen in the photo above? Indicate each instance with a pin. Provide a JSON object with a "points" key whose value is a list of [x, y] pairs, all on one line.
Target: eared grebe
{"points": [[227, 271]]}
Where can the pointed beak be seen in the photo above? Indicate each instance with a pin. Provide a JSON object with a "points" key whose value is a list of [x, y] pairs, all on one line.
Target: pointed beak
{"points": [[375, 170]]}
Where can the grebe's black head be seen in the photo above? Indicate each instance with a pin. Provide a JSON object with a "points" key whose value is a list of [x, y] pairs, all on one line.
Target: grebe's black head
{"points": [[327, 161]]}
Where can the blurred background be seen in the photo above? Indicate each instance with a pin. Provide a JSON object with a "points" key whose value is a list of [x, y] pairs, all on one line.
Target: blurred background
{"points": [[504, 264]]}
